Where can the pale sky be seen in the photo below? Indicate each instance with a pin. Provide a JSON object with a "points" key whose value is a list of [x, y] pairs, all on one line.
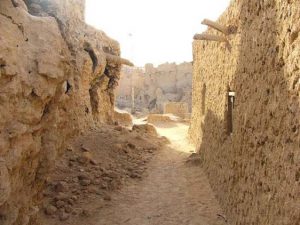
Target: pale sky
{"points": [[153, 31]]}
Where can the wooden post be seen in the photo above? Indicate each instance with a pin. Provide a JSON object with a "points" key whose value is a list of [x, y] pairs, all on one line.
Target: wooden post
{"points": [[215, 26], [210, 37], [117, 60]]}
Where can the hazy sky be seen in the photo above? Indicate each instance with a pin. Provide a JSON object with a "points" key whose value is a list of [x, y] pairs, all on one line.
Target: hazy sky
{"points": [[153, 31]]}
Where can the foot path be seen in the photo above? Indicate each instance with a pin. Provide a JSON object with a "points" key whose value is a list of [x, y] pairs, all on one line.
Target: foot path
{"points": [[173, 193]]}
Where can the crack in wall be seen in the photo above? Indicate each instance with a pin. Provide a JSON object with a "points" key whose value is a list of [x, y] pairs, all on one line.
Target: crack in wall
{"points": [[19, 25]]}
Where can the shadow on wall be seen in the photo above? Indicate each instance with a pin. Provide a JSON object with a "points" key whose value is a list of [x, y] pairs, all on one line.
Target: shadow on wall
{"points": [[256, 170]]}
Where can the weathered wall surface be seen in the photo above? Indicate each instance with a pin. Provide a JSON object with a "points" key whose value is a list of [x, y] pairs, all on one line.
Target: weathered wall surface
{"points": [[255, 171], [153, 87], [53, 74]]}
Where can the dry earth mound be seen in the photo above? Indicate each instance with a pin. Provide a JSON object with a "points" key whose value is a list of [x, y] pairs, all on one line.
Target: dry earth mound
{"points": [[94, 165]]}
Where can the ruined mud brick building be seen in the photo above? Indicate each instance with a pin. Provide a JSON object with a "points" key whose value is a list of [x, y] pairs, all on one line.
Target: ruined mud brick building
{"points": [[54, 72], [180, 109], [245, 116], [155, 86]]}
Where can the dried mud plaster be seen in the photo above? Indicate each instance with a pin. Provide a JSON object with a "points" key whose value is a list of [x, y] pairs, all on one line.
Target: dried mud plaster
{"points": [[46, 74], [250, 146]]}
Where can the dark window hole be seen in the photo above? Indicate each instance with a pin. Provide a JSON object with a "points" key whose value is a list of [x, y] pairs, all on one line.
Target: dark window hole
{"points": [[230, 105], [106, 71], [33, 94], [68, 87], [46, 110], [87, 110]]}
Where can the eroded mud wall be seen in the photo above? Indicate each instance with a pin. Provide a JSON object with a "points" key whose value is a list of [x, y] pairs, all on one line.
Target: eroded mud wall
{"points": [[55, 82], [252, 155]]}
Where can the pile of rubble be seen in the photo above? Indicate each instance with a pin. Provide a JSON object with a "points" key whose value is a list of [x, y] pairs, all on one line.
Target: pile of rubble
{"points": [[93, 166]]}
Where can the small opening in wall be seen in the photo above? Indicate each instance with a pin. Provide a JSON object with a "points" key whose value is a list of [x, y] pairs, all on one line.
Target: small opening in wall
{"points": [[67, 87], [231, 99], [87, 110], [203, 99]]}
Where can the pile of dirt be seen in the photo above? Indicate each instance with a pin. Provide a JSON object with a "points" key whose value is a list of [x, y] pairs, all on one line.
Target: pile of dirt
{"points": [[92, 167], [145, 128], [194, 159]]}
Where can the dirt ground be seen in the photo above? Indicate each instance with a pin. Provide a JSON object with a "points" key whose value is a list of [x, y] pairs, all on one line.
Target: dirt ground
{"points": [[173, 193], [156, 184]]}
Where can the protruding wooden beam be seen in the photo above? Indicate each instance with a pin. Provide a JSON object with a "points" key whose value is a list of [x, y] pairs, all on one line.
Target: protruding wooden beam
{"points": [[117, 60], [210, 37], [216, 26]]}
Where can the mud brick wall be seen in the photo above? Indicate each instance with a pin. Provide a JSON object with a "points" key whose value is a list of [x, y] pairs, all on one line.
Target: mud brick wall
{"points": [[251, 153], [51, 89]]}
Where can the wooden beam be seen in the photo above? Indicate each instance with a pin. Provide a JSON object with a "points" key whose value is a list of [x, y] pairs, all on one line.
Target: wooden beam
{"points": [[210, 37], [215, 26], [117, 60]]}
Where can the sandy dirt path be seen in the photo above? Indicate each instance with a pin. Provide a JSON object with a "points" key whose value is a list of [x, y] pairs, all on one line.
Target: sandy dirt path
{"points": [[173, 193]]}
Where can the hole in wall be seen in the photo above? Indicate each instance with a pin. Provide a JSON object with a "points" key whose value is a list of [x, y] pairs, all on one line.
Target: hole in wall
{"points": [[87, 111], [106, 71], [2, 65], [67, 87], [33, 94], [46, 110], [296, 82], [230, 108], [294, 129]]}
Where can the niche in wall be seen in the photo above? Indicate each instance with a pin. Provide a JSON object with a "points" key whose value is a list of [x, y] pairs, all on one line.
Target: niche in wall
{"points": [[230, 111]]}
